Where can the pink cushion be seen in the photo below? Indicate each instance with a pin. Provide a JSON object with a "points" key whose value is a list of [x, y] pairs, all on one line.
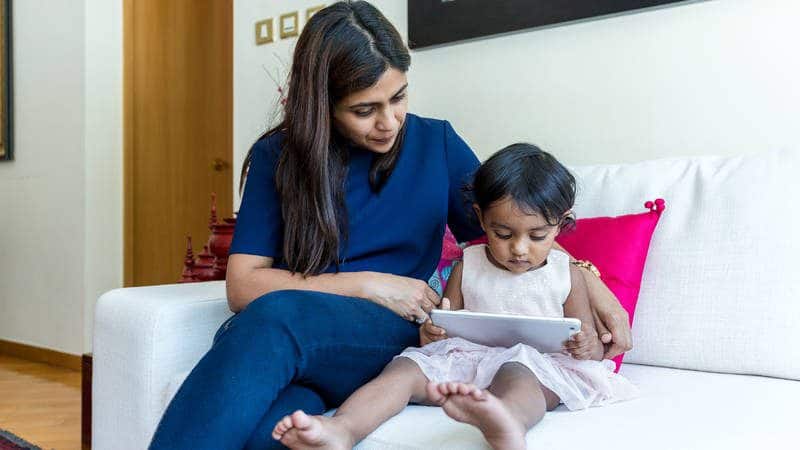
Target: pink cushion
{"points": [[618, 247]]}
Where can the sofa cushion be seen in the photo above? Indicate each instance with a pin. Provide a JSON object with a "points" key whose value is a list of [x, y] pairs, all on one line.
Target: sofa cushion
{"points": [[718, 291], [679, 409], [617, 246]]}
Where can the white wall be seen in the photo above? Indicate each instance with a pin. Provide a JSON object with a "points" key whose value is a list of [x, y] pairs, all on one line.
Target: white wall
{"points": [[709, 77], [60, 199], [103, 160], [42, 282]]}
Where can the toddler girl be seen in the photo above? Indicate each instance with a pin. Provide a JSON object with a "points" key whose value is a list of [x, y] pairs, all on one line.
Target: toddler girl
{"points": [[523, 198]]}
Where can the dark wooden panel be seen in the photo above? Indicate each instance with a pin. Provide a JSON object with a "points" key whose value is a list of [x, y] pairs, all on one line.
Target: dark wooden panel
{"points": [[432, 22]]}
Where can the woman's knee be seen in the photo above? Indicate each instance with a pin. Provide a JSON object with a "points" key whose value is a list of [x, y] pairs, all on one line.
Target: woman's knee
{"points": [[275, 306]]}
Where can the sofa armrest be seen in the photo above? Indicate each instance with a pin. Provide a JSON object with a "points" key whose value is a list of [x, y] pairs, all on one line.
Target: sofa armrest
{"points": [[144, 338]]}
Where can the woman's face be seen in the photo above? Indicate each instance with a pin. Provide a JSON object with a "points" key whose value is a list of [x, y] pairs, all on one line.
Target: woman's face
{"points": [[372, 118]]}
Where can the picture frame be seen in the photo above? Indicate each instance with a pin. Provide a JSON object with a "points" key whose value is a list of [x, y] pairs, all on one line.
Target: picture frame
{"points": [[313, 10], [435, 22], [264, 32], [289, 25], [6, 82]]}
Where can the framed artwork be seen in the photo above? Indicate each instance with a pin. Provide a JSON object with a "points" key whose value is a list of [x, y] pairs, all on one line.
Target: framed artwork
{"points": [[313, 10], [289, 25], [6, 148], [264, 31], [434, 22]]}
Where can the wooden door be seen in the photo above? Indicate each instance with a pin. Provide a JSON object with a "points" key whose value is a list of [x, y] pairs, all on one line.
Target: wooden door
{"points": [[178, 130]]}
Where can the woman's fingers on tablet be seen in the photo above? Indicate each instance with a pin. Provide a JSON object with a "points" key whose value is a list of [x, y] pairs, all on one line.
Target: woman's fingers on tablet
{"points": [[432, 296]]}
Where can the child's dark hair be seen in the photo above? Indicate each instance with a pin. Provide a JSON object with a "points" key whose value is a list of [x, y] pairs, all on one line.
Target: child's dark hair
{"points": [[533, 178]]}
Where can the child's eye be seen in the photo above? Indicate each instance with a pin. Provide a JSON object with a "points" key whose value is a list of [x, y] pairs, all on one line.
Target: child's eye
{"points": [[363, 112], [503, 236], [538, 238]]}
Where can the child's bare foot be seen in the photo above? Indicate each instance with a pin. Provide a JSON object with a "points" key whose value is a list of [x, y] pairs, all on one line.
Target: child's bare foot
{"points": [[468, 404], [300, 431]]}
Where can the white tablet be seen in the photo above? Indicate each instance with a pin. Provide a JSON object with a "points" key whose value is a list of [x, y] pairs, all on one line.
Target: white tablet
{"points": [[546, 334]]}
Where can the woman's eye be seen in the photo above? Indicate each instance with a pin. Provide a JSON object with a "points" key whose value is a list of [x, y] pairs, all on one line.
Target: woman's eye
{"points": [[398, 98]]}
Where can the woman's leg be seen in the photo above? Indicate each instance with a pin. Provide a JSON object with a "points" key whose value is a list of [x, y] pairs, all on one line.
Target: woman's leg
{"points": [[401, 382], [291, 399], [332, 344], [514, 402]]}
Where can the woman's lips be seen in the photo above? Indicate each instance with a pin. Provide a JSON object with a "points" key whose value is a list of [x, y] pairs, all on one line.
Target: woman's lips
{"points": [[383, 141]]}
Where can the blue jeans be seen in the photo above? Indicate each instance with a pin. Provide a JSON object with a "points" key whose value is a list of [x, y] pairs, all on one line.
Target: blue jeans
{"points": [[287, 350]]}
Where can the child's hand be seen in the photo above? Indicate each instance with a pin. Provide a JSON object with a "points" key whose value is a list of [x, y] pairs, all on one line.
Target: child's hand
{"points": [[429, 332], [582, 345]]}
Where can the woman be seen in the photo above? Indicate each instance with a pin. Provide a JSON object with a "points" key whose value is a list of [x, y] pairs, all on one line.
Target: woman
{"points": [[340, 226]]}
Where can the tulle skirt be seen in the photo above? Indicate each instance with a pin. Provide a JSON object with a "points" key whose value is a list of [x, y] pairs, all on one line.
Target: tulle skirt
{"points": [[578, 383]]}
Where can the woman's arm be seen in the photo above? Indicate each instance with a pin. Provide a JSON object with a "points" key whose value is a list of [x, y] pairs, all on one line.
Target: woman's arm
{"points": [[585, 344], [250, 276], [610, 319]]}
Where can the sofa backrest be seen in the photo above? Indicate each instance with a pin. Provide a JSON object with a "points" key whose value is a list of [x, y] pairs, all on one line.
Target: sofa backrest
{"points": [[719, 291]]}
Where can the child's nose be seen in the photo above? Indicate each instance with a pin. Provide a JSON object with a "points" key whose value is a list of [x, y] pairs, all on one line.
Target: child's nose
{"points": [[519, 248]]}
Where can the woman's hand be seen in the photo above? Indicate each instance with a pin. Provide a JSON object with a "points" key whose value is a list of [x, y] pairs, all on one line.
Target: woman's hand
{"points": [[409, 298], [429, 332], [610, 319]]}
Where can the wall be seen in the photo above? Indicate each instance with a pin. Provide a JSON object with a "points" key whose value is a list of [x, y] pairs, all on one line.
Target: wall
{"points": [[708, 77], [61, 198], [42, 248], [103, 160]]}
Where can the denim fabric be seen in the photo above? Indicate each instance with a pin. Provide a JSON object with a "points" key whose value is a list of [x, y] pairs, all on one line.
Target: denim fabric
{"points": [[287, 350]]}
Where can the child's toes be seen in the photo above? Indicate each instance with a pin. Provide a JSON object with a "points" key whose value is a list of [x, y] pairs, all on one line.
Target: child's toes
{"points": [[465, 389], [478, 394], [433, 391]]}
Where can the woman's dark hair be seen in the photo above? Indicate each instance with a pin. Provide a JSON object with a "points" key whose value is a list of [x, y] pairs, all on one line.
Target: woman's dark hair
{"points": [[343, 49], [533, 178]]}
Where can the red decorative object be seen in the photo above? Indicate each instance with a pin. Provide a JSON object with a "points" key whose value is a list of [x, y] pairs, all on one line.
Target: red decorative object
{"points": [[212, 262], [188, 264]]}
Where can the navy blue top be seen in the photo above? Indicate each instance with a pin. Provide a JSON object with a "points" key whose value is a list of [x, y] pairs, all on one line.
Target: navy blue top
{"points": [[398, 230]]}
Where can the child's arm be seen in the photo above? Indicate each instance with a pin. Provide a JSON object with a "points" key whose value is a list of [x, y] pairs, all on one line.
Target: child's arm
{"points": [[453, 290], [585, 344], [429, 332]]}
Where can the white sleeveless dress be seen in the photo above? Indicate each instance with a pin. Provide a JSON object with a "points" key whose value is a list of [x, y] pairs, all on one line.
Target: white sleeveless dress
{"points": [[540, 292]]}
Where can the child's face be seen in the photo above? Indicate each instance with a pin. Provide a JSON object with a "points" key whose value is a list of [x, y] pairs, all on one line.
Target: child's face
{"points": [[517, 241]]}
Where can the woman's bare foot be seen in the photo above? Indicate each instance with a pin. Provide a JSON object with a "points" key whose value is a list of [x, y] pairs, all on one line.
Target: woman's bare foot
{"points": [[468, 404], [300, 431]]}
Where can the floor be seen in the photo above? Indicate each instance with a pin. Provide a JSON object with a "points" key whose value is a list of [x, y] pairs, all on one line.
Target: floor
{"points": [[41, 403]]}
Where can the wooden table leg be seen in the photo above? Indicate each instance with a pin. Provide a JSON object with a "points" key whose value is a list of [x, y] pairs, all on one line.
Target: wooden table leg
{"points": [[86, 401]]}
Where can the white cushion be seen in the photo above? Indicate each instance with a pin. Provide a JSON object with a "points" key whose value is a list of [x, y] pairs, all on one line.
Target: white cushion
{"points": [[719, 291], [679, 409]]}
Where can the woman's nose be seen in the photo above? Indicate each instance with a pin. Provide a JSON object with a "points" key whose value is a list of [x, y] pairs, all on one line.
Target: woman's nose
{"points": [[386, 120]]}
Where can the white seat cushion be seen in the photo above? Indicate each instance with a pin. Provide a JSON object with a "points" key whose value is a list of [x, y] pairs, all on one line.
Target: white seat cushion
{"points": [[679, 409]]}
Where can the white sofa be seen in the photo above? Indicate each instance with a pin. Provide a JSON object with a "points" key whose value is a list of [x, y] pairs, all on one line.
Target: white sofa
{"points": [[716, 330]]}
